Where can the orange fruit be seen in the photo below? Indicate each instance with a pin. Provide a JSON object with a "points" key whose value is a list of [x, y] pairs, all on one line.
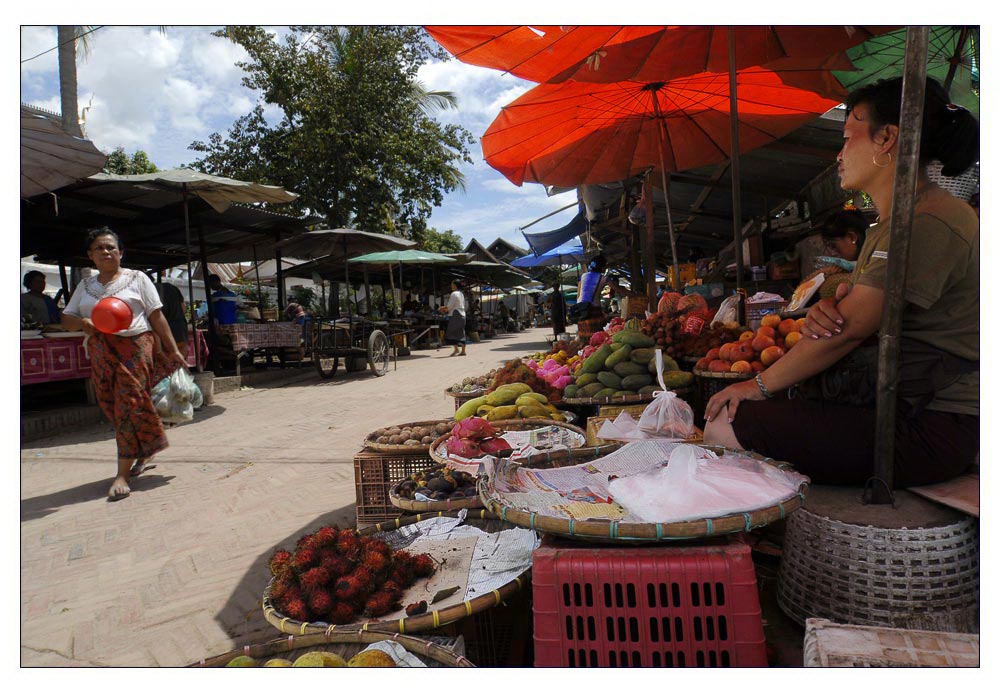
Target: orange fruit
{"points": [[771, 320], [786, 326], [748, 335], [791, 338], [762, 342], [741, 367], [771, 355]]}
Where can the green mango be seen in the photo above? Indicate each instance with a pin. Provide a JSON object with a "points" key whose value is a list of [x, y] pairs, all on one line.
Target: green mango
{"points": [[634, 339], [588, 391], [642, 355], [648, 390], [595, 362], [605, 393], [469, 408], [586, 379], [570, 390]]}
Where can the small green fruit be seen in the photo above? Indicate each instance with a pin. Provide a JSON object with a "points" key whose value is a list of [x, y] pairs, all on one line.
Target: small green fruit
{"points": [[309, 660], [242, 661], [278, 662]]}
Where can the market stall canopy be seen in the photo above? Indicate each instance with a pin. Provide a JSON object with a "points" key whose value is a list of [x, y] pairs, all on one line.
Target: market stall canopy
{"points": [[566, 254], [338, 245], [544, 241], [410, 256], [496, 274], [51, 157]]}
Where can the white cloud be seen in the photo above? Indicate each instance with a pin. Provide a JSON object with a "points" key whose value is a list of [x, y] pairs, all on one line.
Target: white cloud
{"points": [[35, 40]]}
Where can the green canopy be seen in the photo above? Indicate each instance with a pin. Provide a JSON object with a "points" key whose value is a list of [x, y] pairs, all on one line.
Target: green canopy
{"points": [[408, 256]]}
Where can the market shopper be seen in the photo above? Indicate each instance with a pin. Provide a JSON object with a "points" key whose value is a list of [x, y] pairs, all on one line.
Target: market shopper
{"points": [[831, 437], [454, 334], [125, 365], [36, 305], [224, 301]]}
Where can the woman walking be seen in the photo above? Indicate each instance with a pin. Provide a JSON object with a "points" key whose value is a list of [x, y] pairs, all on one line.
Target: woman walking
{"points": [[125, 365], [454, 334]]}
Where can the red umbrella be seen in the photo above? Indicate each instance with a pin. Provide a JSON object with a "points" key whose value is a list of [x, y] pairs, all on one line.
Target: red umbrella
{"points": [[643, 53]]}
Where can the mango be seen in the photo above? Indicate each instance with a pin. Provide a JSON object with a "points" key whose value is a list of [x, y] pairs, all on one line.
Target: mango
{"points": [[469, 408], [624, 393], [610, 380], [586, 379], [677, 379], [628, 368], [633, 339], [507, 394], [570, 390], [528, 411], [502, 412], [636, 381], [620, 354], [483, 410], [588, 390], [242, 661], [534, 396], [649, 390]]}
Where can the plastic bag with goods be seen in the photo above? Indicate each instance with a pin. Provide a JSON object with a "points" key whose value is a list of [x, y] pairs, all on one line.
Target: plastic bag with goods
{"points": [[667, 415], [696, 483], [176, 397], [727, 312]]}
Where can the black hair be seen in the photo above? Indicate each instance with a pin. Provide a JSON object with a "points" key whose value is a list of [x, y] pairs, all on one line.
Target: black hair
{"points": [[597, 263], [837, 226], [212, 279], [458, 285], [95, 234], [30, 275], [949, 133]]}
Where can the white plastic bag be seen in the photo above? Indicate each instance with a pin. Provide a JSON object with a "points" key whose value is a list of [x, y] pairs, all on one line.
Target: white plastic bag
{"points": [[696, 483], [667, 415], [176, 397], [728, 310]]}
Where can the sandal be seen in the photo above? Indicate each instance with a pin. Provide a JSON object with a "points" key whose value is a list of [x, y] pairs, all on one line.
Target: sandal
{"points": [[139, 467], [118, 497]]}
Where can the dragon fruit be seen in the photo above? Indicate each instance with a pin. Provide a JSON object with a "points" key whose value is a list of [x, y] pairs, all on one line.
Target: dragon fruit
{"points": [[494, 446], [473, 428], [562, 381], [465, 448], [598, 338]]}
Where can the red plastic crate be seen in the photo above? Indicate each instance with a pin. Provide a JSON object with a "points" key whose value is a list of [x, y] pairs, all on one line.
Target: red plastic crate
{"points": [[676, 606]]}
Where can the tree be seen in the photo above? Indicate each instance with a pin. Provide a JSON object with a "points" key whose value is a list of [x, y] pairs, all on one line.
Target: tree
{"points": [[430, 239], [120, 163], [356, 138], [67, 37]]}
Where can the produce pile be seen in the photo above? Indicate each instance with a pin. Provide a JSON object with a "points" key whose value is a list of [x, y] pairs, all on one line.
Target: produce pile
{"points": [[682, 326], [473, 384], [753, 352], [474, 437], [510, 401], [623, 364], [335, 575], [516, 371], [366, 658], [410, 435], [438, 483]]}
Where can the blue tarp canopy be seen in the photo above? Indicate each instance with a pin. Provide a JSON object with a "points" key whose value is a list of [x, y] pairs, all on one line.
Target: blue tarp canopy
{"points": [[543, 241], [569, 253]]}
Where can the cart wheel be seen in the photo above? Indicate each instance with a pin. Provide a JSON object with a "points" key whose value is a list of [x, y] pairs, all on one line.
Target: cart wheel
{"points": [[325, 366], [378, 352], [322, 344]]}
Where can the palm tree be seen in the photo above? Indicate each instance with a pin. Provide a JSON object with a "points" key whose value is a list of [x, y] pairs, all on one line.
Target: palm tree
{"points": [[67, 36]]}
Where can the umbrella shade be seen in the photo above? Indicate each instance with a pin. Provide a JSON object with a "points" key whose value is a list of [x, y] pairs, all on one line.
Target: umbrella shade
{"points": [[575, 133], [544, 241], [882, 58], [555, 54], [496, 274], [566, 254], [410, 256], [339, 245], [52, 158]]}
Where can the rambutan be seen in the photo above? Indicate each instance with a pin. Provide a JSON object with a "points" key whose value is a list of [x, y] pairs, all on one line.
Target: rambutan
{"points": [[423, 565], [347, 587], [304, 559], [325, 537], [342, 613], [374, 561], [402, 575], [379, 603], [380, 546], [304, 541], [320, 602], [296, 609], [314, 579], [338, 565], [278, 589], [392, 588], [279, 561], [349, 545]]}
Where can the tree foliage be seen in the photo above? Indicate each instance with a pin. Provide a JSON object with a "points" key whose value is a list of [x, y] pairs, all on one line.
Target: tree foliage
{"points": [[122, 164], [430, 239], [355, 137]]}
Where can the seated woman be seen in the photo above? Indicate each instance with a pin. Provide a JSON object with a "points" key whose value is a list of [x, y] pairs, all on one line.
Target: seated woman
{"points": [[36, 305], [830, 438]]}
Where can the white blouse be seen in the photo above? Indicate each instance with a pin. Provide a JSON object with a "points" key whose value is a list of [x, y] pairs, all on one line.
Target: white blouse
{"points": [[132, 287], [456, 302]]}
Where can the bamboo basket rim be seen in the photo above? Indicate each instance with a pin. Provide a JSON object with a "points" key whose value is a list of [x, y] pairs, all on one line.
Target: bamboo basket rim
{"points": [[371, 445], [291, 642], [423, 622], [537, 423], [446, 505], [618, 531], [723, 375], [467, 393]]}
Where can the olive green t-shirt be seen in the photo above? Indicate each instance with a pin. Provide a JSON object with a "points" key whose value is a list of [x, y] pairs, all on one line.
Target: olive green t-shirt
{"points": [[942, 285]]}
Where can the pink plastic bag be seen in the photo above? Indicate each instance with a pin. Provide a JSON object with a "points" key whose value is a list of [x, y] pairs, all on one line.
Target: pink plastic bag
{"points": [[667, 415]]}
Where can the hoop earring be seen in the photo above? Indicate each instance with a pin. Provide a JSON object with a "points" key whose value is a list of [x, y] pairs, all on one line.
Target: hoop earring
{"points": [[881, 166]]}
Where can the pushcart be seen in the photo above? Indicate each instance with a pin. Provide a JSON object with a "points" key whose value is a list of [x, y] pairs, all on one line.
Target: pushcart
{"points": [[350, 338]]}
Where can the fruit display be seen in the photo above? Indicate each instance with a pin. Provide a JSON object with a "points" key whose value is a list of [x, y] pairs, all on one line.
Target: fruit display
{"points": [[475, 437], [682, 326], [438, 483], [336, 576], [473, 384], [753, 351], [516, 371], [410, 435], [509, 401], [371, 657]]}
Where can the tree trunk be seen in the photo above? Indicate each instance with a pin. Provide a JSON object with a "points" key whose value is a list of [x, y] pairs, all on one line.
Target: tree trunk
{"points": [[67, 80]]}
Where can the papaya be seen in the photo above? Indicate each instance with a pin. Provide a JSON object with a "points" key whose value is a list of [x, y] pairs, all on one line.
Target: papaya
{"points": [[636, 381], [586, 379], [619, 355], [615, 346], [534, 396], [677, 379], [634, 339], [589, 390], [469, 408], [570, 390], [610, 380], [628, 368], [624, 393], [642, 355], [669, 364], [595, 362], [507, 394], [483, 410], [605, 393], [502, 412], [648, 390], [535, 410]]}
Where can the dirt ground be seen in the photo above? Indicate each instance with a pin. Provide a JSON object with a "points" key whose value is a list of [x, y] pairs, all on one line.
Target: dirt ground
{"points": [[175, 572]]}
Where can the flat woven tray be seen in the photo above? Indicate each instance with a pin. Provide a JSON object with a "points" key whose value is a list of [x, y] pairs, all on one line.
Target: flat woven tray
{"points": [[425, 506], [372, 445], [424, 622], [620, 531], [345, 644], [501, 425], [465, 395], [723, 375]]}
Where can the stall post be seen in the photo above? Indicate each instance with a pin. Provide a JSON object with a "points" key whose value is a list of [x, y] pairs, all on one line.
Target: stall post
{"points": [[187, 241], [63, 281], [734, 171], [661, 126], [213, 336], [368, 294], [279, 276], [649, 247], [260, 292], [903, 194]]}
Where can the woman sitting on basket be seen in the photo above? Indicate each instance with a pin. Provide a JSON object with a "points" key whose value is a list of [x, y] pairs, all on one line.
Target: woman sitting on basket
{"points": [[828, 430], [125, 365]]}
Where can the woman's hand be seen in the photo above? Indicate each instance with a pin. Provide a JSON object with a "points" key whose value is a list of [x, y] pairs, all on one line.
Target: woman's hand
{"points": [[728, 400], [177, 359], [823, 318], [88, 327]]}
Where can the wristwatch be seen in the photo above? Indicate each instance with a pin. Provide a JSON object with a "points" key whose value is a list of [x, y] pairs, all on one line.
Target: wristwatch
{"points": [[763, 389]]}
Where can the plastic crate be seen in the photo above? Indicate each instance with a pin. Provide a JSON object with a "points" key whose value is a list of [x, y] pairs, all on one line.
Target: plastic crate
{"points": [[374, 474], [676, 606]]}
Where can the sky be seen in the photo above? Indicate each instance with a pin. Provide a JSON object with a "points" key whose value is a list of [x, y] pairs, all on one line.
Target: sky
{"points": [[158, 91]]}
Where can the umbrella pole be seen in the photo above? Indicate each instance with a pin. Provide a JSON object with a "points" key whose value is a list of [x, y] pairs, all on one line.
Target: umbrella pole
{"points": [[956, 59], [650, 247], [187, 240], [63, 281], [651, 282], [734, 162], [903, 195], [260, 293], [368, 294], [213, 335], [392, 289], [347, 281]]}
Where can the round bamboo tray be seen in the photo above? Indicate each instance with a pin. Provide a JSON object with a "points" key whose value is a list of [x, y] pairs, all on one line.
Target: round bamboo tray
{"points": [[423, 622], [345, 644], [425, 506], [617, 531], [463, 397], [502, 425], [372, 445]]}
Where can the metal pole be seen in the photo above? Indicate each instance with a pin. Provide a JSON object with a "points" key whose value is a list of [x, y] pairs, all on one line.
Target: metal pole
{"points": [[260, 293], [651, 284], [734, 163], [63, 281], [347, 283], [187, 240], [368, 294], [956, 59], [900, 222], [279, 274], [213, 337], [650, 246]]}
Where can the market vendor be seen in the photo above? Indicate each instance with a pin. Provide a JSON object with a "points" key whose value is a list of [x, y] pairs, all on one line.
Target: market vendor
{"points": [[36, 305], [588, 291], [827, 431], [410, 305], [224, 301], [843, 237]]}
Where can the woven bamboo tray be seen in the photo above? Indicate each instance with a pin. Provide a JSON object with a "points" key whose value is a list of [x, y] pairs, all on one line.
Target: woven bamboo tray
{"points": [[425, 506], [344, 643], [371, 445], [502, 425], [618, 531], [462, 398], [423, 622]]}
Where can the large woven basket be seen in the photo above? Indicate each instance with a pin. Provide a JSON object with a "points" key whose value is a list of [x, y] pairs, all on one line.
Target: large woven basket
{"points": [[502, 425], [424, 622], [461, 398], [372, 445], [345, 644], [708, 383], [618, 531], [921, 578]]}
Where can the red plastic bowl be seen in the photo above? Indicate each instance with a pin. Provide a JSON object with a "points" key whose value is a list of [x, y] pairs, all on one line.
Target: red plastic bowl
{"points": [[111, 314]]}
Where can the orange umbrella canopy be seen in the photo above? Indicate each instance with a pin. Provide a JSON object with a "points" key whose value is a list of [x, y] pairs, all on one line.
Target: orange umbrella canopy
{"points": [[574, 133], [643, 53]]}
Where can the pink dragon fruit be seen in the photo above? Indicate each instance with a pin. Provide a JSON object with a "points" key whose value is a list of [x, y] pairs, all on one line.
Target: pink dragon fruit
{"points": [[562, 381], [473, 428], [598, 338], [465, 448], [550, 364], [494, 446]]}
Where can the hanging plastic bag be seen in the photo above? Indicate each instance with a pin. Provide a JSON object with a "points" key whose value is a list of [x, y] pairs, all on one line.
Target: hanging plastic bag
{"points": [[176, 397], [727, 312], [667, 415]]}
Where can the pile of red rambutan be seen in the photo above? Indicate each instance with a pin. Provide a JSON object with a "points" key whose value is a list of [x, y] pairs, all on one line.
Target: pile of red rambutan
{"points": [[336, 576]]}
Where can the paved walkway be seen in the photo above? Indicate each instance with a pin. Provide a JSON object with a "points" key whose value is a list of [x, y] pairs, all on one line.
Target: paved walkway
{"points": [[175, 572]]}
